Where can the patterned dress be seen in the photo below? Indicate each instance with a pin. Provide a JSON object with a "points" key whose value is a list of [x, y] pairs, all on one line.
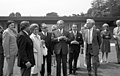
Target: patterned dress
{"points": [[105, 45]]}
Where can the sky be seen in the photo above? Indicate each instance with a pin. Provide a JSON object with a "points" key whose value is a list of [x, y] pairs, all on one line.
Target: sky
{"points": [[41, 7]]}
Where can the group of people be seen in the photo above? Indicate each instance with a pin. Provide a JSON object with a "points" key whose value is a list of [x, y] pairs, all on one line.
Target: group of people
{"points": [[34, 48]]}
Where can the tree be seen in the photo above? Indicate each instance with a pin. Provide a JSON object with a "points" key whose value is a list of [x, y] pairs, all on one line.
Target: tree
{"points": [[52, 14], [104, 8], [114, 6], [12, 14], [98, 8], [18, 14]]}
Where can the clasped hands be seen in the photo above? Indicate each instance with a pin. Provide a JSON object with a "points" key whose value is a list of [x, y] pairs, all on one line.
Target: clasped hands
{"points": [[74, 42], [62, 38], [28, 64]]}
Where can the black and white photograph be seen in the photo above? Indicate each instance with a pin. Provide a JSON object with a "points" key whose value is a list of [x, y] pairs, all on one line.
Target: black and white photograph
{"points": [[59, 37]]}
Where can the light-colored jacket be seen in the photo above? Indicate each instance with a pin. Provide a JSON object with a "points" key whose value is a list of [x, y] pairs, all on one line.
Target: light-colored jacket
{"points": [[38, 53], [116, 35], [9, 42]]}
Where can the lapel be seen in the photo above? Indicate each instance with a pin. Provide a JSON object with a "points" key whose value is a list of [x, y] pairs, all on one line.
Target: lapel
{"points": [[27, 36], [59, 33], [73, 36], [93, 34], [10, 32]]}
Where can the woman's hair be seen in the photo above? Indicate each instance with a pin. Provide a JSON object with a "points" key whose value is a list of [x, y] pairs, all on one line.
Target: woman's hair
{"points": [[33, 26], [9, 22]]}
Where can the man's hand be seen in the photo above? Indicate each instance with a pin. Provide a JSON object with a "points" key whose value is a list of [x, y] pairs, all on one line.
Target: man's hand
{"points": [[43, 42], [74, 42], [65, 38], [28, 64], [61, 37], [8, 56], [115, 36]]}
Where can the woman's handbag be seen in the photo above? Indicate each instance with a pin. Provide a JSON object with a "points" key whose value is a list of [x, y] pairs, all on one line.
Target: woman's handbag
{"points": [[45, 50]]}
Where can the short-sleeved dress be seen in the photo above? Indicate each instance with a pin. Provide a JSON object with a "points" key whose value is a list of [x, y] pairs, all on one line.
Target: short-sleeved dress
{"points": [[105, 45]]}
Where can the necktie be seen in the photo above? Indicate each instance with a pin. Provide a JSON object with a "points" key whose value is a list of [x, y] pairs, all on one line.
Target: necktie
{"points": [[88, 36]]}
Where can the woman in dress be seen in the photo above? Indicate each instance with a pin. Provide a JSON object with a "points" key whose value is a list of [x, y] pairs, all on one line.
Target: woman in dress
{"points": [[37, 46], [105, 45]]}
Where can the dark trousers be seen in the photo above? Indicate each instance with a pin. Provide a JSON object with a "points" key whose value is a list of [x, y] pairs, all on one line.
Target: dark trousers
{"points": [[118, 53], [61, 57], [95, 60], [1, 64], [73, 56], [25, 71], [48, 59]]}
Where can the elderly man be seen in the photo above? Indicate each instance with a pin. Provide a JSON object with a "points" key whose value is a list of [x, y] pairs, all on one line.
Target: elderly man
{"points": [[93, 42], [61, 39], [46, 36], [76, 40], [25, 50], [116, 35]]}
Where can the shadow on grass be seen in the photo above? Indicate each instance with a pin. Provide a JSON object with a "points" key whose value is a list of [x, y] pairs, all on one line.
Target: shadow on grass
{"points": [[109, 66]]}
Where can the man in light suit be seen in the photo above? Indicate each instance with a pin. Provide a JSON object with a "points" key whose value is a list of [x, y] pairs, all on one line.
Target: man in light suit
{"points": [[76, 41], [93, 42], [61, 39], [116, 36], [10, 46]]}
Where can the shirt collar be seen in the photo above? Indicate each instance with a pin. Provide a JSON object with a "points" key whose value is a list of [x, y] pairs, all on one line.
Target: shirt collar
{"points": [[75, 32], [34, 35], [26, 32], [44, 33]]}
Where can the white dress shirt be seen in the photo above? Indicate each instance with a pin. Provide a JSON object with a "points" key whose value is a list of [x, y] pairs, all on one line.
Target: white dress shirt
{"points": [[44, 33], [90, 37]]}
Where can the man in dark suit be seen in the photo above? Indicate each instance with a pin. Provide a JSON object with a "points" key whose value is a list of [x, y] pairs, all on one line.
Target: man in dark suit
{"points": [[93, 42], [75, 45], [25, 50], [46, 36], [61, 39], [1, 52]]}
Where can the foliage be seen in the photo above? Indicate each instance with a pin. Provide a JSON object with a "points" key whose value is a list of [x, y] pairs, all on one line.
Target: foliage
{"points": [[52, 14], [101, 8]]}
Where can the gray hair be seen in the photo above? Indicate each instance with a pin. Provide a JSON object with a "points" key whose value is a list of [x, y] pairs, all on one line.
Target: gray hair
{"points": [[118, 22]]}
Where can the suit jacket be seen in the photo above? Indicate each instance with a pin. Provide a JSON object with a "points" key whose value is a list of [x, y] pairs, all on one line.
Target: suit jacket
{"points": [[9, 42], [78, 38], [116, 32], [96, 42], [1, 47], [25, 50], [47, 41], [60, 45]]}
